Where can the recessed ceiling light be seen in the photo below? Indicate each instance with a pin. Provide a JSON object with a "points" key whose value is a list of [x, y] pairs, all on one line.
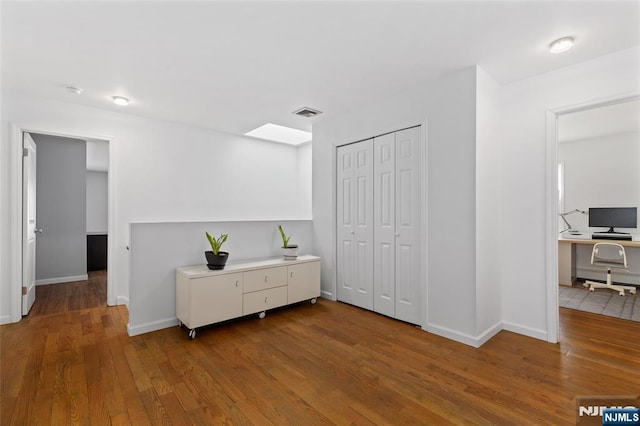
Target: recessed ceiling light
{"points": [[275, 133], [561, 45], [120, 100], [74, 89]]}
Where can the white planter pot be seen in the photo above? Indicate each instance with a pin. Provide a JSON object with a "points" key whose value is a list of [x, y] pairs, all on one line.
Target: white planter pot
{"points": [[291, 252]]}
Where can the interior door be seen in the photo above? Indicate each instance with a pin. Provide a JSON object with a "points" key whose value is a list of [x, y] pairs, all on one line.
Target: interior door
{"points": [[407, 228], [28, 224], [384, 281], [355, 224]]}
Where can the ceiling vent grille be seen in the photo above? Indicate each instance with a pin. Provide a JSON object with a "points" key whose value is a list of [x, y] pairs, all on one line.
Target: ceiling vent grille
{"points": [[307, 112]]}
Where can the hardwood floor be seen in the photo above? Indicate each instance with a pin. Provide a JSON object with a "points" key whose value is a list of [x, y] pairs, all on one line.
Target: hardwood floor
{"points": [[329, 363]]}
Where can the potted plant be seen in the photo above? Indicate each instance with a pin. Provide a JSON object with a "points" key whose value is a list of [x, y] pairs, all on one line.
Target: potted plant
{"points": [[290, 251], [216, 259]]}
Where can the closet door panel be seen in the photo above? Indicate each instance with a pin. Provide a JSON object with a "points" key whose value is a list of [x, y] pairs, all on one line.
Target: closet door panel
{"points": [[384, 220], [363, 207], [408, 303], [345, 229], [355, 227]]}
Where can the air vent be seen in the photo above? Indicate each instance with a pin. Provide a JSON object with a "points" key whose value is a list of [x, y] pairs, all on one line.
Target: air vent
{"points": [[307, 112]]}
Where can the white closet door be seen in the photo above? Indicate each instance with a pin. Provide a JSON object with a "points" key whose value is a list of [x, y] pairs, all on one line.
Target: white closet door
{"points": [[407, 226], [355, 224], [385, 223]]}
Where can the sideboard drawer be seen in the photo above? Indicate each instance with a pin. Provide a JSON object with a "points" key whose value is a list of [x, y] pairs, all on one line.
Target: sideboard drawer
{"points": [[265, 278], [262, 300]]}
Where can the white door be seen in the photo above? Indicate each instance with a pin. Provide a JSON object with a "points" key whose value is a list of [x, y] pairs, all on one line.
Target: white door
{"points": [[355, 224], [408, 214], [384, 229], [28, 224]]}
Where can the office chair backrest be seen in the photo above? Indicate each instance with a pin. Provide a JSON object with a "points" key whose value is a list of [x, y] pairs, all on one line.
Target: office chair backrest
{"points": [[609, 254]]}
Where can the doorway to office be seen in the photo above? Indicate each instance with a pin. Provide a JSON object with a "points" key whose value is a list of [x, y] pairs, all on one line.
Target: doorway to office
{"points": [[597, 148]]}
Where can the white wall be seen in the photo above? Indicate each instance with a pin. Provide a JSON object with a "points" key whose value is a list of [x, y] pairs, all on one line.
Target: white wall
{"points": [[602, 172], [97, 207], [524, 187], [488, 203], [448, 109], [61, 249], [161, 171], [157, 249], [97, 156], [304, 180]]}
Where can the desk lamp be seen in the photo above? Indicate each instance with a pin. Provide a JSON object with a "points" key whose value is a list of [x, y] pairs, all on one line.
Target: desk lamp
{"points": [[569, 228]]}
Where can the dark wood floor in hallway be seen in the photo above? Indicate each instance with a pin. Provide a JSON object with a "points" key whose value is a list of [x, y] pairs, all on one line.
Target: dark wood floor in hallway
{"points": [[329, 363]]}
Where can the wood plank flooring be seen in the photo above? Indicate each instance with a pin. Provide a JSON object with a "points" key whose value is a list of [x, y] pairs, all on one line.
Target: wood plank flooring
{"points": [[329, 363]]}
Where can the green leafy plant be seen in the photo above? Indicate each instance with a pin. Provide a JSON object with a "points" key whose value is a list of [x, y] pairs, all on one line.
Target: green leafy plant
{"points": [[285, 239], [216, 243]]}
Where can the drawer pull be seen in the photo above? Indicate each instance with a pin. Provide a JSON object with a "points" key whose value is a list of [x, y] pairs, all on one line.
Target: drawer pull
{"points": [[237, 282], [266, 278], [266, 299], [291, 274]]}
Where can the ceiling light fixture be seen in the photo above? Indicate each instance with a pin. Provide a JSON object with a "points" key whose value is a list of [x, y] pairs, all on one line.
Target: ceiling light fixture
{"points": [[74, 89], [275, 133], [561, 45], [120, 100]]}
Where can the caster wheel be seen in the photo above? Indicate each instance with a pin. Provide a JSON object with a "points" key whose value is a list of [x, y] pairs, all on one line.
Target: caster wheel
{"points": [[262, 314], [621, 293], [632, 291], [591, 289], [313, 301], [192, 333]]}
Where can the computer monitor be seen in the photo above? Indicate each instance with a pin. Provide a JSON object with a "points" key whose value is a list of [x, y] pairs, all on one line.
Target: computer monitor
{"points": [[613, 217]]}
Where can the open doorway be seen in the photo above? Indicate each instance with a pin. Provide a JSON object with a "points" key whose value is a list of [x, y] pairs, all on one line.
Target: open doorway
{"points": [[598, 154], [92, 181], [71, 222]]}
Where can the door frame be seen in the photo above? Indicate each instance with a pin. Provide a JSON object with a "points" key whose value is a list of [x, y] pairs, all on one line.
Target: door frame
{"points": [[16, 131], [552, 114]]}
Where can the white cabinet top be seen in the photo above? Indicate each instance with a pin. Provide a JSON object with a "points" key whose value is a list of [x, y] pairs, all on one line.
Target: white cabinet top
{"points": [[196, 271]]}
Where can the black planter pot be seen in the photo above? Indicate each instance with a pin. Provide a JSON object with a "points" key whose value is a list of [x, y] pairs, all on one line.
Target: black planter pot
{"points": [[216, 261]]}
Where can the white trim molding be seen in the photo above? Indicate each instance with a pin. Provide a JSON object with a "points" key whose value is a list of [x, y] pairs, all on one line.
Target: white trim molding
{"points": [[467, 339], [151, 326], [59, 280]]}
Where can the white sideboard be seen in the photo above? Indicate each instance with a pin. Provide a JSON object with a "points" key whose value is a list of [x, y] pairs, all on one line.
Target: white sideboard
{"points": [[206, 297]]}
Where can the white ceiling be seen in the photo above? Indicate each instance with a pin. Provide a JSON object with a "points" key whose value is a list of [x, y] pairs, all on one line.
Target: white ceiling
{"points": [[233, 66]]}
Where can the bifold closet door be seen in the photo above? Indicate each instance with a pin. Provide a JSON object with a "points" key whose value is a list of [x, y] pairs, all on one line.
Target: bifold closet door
{"points": [[408, 215], [384, 217], [355, 224], [397, 215]]}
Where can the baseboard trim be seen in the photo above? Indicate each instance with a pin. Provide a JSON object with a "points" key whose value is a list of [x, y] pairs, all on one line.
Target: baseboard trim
{"points": [[486, 335], [5, 319], [121, 300], [327, 295], [525, 331], [151, 326], [60, 280], [457, 336]]}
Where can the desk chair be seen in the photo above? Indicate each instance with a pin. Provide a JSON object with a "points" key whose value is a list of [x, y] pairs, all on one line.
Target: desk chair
{"points": [[609, 255]]}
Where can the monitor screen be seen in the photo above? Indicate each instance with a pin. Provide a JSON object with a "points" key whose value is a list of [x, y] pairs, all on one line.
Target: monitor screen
{"points": [[610, 217]]}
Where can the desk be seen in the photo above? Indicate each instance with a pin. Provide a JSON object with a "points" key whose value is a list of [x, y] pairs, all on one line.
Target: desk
{"points": [[567, 256]]}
